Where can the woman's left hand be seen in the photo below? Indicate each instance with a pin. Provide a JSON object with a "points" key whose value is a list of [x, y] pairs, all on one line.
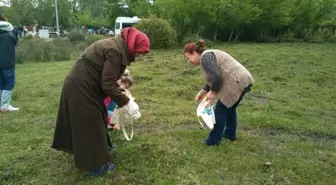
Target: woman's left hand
{"points": [[210, 97], [116, 127]]}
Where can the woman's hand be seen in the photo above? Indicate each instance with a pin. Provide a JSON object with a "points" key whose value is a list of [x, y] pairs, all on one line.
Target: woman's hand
{"points": [[122, 88], [116, 127], [210, 97], [200, 95]]}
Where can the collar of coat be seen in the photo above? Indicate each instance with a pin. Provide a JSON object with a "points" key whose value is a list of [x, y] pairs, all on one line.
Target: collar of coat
{"points": [[126, 57]]}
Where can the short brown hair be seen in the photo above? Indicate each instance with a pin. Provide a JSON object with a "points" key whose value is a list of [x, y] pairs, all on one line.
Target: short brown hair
{"points": [[198, 47]]}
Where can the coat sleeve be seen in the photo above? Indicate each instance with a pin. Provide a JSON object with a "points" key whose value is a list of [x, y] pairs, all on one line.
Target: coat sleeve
{"points": [[15, 36], [206, 88], [112, 69], [208, 62]]}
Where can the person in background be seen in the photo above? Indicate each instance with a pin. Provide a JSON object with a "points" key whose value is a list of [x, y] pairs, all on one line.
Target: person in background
{"points": [[8, 41], [227, 80]]}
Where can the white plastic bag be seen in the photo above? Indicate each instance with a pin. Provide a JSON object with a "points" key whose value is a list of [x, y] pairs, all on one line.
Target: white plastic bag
{"points": [[121, 117], [206, 114]]}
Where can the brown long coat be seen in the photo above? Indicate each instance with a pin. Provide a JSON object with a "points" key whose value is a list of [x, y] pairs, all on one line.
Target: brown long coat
{"points": [[81, 122], [234, 77]]}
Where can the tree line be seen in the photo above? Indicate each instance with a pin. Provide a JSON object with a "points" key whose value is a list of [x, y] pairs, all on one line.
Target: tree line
{"points": [[226, 20]]}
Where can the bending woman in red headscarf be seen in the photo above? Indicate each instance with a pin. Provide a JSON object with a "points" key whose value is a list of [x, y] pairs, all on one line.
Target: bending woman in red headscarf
{"points": [[81, 121]]}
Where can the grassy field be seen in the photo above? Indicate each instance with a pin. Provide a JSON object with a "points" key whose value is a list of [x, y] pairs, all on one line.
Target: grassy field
{"points": [[286, 132]]}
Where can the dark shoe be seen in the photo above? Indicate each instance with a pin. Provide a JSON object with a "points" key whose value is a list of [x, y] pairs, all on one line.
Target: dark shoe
{"points": [[102, 170], [229, 138], [112, 147], [206, 142]]}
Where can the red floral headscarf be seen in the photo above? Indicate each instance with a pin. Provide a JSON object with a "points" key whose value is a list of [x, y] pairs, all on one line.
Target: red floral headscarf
{"points": [[137, 41]]}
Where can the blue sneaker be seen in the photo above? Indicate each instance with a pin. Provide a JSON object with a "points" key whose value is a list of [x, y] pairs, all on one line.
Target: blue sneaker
{"points": [[102, 170]]}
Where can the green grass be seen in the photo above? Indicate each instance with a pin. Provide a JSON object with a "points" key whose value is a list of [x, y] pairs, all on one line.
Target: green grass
{"points": [[288, 120]]}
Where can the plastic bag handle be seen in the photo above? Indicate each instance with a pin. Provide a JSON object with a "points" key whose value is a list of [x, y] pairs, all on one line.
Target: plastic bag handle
{"points": [[201, 123], [122, 123]]}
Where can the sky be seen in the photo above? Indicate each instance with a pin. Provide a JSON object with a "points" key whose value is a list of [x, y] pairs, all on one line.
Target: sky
{"points": [[4, 2]]}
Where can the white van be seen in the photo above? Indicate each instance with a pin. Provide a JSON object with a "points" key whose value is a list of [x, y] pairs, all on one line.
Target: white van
{"points": [[123, 22]]}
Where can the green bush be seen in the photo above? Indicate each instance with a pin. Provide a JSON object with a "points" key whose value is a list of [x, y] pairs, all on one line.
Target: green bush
{"points": [[93, 38], [76, 35], [315, 39], [40, 50], [267, 39], [160, 33], [28, 37], [20, 54], [195, 38], [80, 46], [332, 38], [289, 36], [34, 50], [63, 49], [319, 35]]}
